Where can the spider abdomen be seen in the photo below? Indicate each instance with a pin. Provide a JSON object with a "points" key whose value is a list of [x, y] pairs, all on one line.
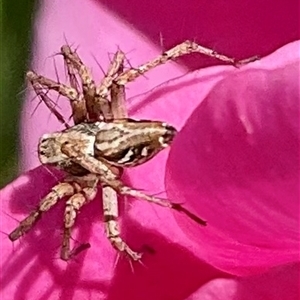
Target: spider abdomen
{"points": [[128, 142]]}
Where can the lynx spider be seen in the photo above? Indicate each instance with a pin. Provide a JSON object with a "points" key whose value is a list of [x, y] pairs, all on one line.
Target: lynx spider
{"points": [[83, 151]]}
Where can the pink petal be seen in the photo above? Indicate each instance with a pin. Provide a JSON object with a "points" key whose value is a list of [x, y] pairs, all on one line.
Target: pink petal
{"points": [[235, 163], [277, 284], [173, 270]]}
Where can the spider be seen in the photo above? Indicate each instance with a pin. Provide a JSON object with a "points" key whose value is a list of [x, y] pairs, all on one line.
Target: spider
{"points": [[102, 142]]}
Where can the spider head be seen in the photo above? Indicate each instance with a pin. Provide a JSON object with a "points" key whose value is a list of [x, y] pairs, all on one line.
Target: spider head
{"points": [[49, 149]]}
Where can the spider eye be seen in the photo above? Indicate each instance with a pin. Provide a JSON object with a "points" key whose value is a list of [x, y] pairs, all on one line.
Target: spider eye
{"points": [[42, 152]]}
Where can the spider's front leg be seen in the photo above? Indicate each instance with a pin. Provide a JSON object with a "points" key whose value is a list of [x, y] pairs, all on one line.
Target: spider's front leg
{"points": [[182, 49]]}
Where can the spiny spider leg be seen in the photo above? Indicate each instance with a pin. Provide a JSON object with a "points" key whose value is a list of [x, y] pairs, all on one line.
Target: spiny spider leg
{"points": [[96, 99], [117, 109], [182, 49], [117, 92], [109, 195], [113, 69], [73, 205], [96, 166], [72, 72], [122, 189], [112, 229], [75, 97], [49, 103], [58, 192], [88, 84]]}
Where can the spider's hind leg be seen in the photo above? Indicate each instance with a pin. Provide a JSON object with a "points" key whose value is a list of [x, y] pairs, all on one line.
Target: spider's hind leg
{"points": [[58, 192], [111, 214], [73, 205], [122, 189]]}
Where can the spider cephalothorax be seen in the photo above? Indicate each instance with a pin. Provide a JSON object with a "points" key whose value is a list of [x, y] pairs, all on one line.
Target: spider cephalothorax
{"points": [[102, 142]]}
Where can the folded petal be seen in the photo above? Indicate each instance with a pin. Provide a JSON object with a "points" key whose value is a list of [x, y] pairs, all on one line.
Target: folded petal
{"points": [[276, 284], [235, 163]]}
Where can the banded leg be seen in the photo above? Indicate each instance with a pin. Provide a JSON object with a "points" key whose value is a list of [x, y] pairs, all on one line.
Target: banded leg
{"points": [[182, 49], [106, 86], [49, 103], [76, 98], [111, 214], [109, 195], [110, 203], [122, 189], [110, 207], [128, 191], [96, 99], [117, 104], [117, 92], [72, 72], [96, 166], [58, 192], [88, 85], [73, 205]]}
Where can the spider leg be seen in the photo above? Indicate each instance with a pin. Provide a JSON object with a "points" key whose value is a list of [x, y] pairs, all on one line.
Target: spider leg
{"points": [[76, 98], [96, 166], [109, 195], [110, 199], [88, 84], [117, 108], [73, 205], [184, 48], [49, 103], [111, 214], [128, 191], [59, 191], [122, 189], [72, 73], [97, 104]]}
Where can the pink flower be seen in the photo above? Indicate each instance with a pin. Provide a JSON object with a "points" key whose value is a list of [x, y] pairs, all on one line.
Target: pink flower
{"points": [[234, 162]]}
